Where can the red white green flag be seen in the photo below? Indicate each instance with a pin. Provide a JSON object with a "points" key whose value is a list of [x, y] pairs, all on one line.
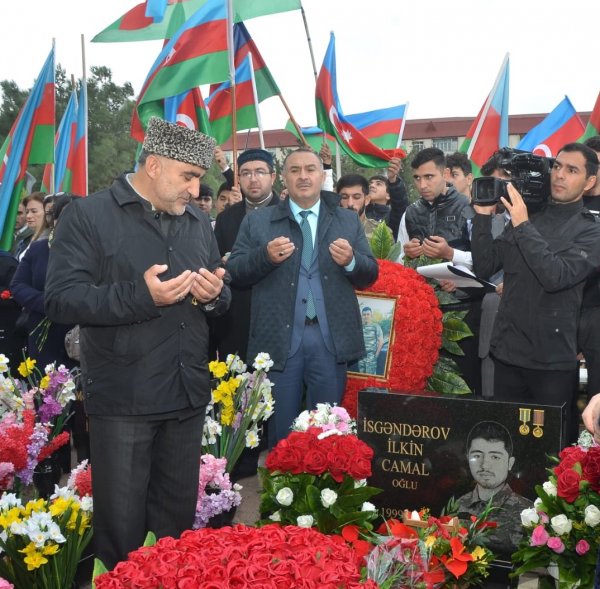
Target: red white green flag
{"points": [[331, 119], [593, 126], [138, 25]]}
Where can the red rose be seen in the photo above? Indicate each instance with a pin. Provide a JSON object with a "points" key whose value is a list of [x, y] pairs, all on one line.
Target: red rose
{"points": [[5, 294], [315, 461], [591, 469], [568, 485], [570, 456]]}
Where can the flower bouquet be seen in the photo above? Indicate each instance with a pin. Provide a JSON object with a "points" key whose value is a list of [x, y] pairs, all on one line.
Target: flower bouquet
{"points": [[240, 402], [562, 528], [43, 540], [317, 476], [33, 412], [216, 493], [272, 557], [425, 551]]}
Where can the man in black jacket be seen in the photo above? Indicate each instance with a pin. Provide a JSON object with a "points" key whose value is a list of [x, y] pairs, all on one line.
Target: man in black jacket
{"points": [[137, 267], [546, 261], [256, 175]]}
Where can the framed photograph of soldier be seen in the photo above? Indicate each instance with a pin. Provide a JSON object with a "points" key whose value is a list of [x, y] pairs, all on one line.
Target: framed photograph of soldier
{"points": [[377, 315], [432, 448]]}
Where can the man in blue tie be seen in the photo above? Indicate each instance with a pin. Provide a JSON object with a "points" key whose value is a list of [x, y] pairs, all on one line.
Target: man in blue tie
{"points": [[303, 259]]}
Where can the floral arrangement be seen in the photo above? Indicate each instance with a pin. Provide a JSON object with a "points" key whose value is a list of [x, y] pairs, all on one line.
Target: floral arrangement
{"points": [[263, 558], [216, 493], [317, 478], [419, 319], [562, 528], [43, 540], [329, 418], [240, 402], [425, 551], [80, 479], [33, 412]]}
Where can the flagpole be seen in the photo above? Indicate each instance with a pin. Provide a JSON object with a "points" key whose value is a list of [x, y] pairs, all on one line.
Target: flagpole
{"points": [[84, 90], [256, 107], [293, 121], [401, 133], [52, 166], [230, 52]]}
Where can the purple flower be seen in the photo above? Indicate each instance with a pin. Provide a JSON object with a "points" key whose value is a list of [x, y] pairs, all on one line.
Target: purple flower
{"points": [[556, 544], [539, 536], [38, 440], [582, 547], [49, 409]]}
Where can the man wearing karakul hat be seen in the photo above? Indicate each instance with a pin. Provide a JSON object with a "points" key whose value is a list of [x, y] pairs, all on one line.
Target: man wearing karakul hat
{"points": [[139, 270]]}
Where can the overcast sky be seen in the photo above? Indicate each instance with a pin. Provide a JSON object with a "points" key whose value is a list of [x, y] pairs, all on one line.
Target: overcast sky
{"points": [[440, 56]]}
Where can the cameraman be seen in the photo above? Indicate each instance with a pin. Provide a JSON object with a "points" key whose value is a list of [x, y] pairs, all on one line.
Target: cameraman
{"points": [[545, 261]]}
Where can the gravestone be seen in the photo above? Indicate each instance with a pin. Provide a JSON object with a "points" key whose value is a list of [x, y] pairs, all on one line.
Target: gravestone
{"points": [[420, 445]]}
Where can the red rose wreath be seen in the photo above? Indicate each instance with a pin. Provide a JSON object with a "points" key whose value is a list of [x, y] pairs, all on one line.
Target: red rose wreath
{"points": [[417, 333]]}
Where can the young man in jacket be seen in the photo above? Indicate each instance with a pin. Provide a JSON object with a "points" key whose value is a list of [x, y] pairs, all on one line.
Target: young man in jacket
{"points": [[546, 260], [137, 267]]}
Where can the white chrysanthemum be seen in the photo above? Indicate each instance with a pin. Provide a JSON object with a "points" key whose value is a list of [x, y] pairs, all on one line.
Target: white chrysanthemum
{"points": [[285, 496], [305, 521], [263, 362]]}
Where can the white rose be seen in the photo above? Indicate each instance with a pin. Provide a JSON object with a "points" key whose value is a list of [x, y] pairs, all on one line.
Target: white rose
{"points": [[366, 506], [592, 516], [305, 521], [549, 488], [328, 497], [529, 517], [276, 517], [561, 524], [360, 483], [285, 496], [537, 502]]}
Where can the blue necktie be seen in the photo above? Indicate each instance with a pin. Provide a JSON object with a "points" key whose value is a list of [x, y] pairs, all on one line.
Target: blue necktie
{"points": [[307, 255]]}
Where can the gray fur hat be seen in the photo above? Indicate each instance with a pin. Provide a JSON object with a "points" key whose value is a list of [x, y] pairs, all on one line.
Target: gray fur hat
{"points": [[179, 143]]}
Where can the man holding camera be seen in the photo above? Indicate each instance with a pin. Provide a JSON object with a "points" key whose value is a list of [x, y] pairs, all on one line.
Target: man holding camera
{"points": [[546, 260]]}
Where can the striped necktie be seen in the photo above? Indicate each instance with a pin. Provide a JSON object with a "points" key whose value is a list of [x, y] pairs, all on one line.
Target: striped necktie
{"points": [[307, 255]]}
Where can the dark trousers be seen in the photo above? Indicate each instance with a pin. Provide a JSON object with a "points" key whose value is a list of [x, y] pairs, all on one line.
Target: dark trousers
{"points": [[589, 344], [313, 367], [547, 387], [145, 478]]}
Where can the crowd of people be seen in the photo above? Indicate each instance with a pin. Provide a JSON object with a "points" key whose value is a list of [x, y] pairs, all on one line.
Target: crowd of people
{"points": [[161, 275]]}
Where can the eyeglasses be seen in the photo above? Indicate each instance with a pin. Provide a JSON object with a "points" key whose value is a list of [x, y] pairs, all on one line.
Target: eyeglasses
{"points": [[247, 174]]}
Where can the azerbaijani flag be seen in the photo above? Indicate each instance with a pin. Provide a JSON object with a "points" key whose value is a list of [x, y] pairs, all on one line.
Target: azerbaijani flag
{"points": [[186, 109], [489, 131], [76, 176], [63, 145], [244, 44], [140, 24], [561, 126], [32, 142], [195, 55], [331, 118], [313, 136], [136, 25], [593, 126], [219, 104]]}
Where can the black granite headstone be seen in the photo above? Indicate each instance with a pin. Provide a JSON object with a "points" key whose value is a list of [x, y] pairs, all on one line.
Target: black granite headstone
{"points": [[420, 444]]}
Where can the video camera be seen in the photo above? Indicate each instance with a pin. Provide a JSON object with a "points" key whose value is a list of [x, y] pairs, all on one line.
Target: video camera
{"points": [[530, 175]]}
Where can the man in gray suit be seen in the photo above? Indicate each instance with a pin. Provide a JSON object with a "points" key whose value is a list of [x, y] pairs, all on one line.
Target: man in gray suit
{"points": [[304, 257]]}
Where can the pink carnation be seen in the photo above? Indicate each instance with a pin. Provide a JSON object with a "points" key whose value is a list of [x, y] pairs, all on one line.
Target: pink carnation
{"points": [[539, 536], [582, 547], [4, 584], [556, 544]]}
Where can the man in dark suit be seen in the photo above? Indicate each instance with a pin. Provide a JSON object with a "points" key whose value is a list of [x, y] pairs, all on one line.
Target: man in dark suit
{"points": [[303, 258], [256, 176]]}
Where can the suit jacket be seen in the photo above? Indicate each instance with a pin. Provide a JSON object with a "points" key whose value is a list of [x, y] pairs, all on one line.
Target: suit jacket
{"points": [[275, 285]]}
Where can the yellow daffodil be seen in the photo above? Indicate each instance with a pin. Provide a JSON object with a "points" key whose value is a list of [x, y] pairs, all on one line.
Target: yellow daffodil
{"points": [[34, 559], [37, 505], [59, 506], [217, 369], [44, 382], [478, 553], [50, 549], [10, 517], [26, 367]]}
